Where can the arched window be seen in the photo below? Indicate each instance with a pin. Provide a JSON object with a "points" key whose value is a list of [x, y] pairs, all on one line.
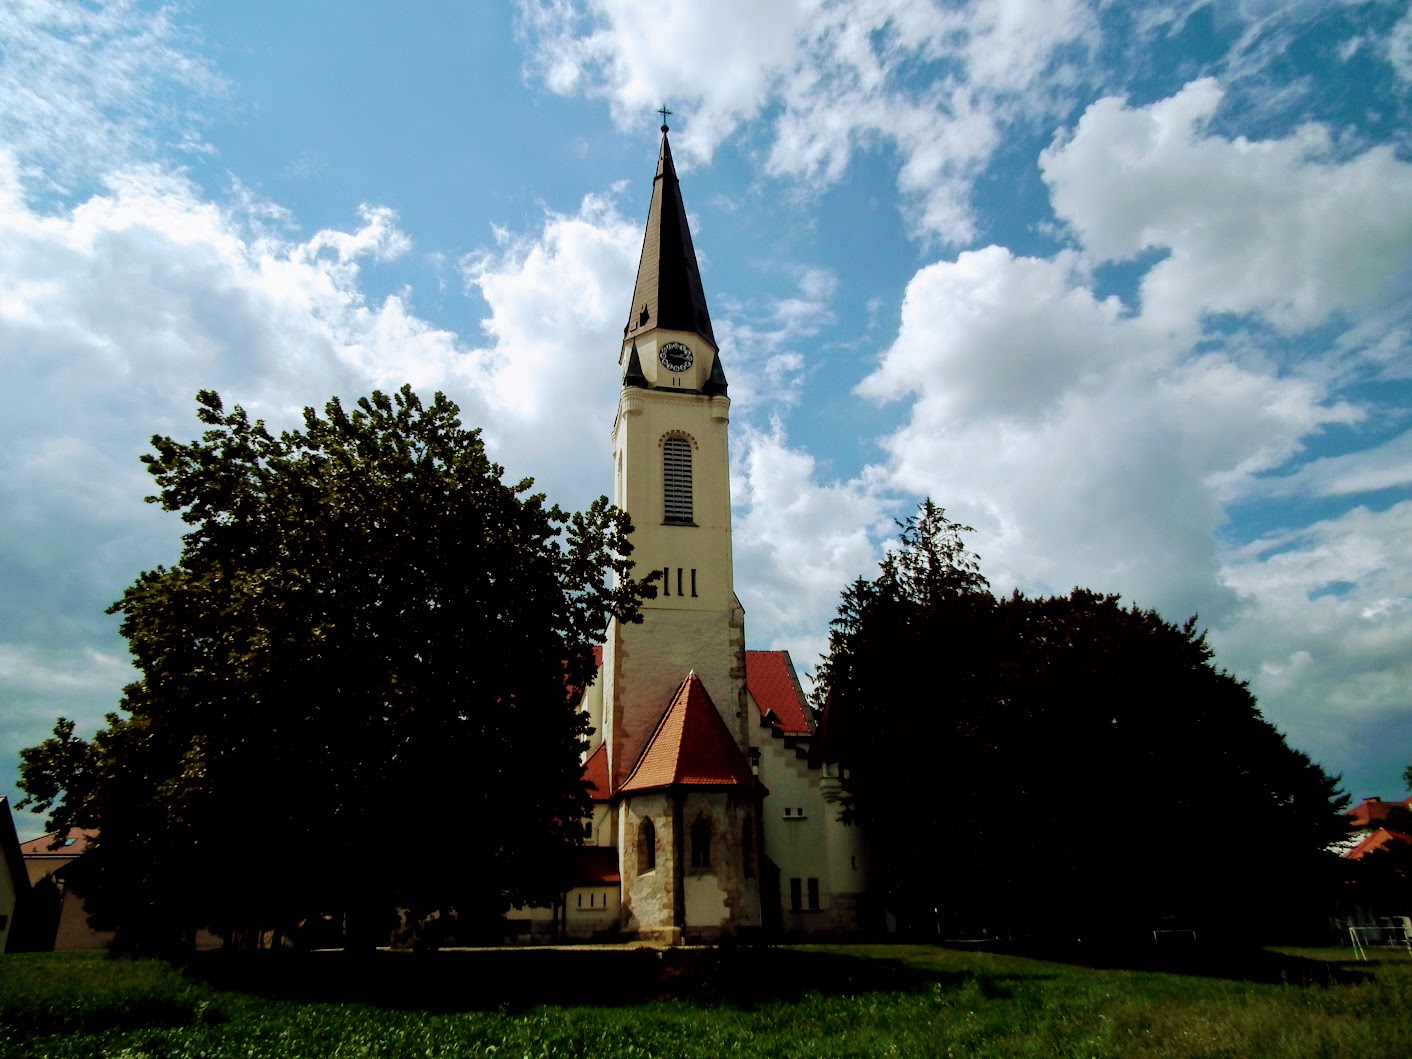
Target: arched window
{"points": [[646, 847], [676, 481], [701, 843]]}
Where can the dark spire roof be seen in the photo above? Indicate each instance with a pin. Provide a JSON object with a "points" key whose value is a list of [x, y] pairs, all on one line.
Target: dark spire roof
{"points": [[668, 291]]}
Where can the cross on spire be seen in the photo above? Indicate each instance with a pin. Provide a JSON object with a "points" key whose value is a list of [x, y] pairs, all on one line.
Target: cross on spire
{"points": [[665, 114]]}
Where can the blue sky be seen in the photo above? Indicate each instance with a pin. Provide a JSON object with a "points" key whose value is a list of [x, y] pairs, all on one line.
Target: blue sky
{"points": [[1124, 286]]}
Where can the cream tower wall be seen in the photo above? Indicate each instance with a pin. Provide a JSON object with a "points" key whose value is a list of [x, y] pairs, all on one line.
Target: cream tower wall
{"points": [[695, 622]]}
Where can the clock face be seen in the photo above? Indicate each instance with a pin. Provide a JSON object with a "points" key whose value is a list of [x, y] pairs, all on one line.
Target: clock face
{"points": [[675, 356]]}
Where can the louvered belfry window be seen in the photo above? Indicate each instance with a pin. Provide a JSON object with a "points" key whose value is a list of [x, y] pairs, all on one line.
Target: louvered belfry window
{"points": [[676, 480]]}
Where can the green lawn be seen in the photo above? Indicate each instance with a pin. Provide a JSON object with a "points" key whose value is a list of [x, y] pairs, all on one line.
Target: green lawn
{"points": [[831, 1001]]}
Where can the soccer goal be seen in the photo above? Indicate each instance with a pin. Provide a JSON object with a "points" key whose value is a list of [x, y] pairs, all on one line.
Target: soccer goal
{"points": [[1397, 930]]}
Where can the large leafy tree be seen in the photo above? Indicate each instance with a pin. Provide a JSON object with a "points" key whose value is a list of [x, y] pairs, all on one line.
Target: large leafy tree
{"points": [[1062, 766], [354, 682]]}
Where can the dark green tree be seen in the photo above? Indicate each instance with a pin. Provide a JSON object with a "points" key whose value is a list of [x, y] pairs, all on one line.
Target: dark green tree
{"points": [[1063, 766], [354, 682]]}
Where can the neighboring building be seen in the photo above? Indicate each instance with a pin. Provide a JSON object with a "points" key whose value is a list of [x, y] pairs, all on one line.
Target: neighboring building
{"points": [[46, 862], [1378, 897], [1368, 832], [721, 822]]}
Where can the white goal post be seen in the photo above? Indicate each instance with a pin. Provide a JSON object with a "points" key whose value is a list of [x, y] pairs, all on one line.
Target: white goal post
{"points": [[1397, 930]]}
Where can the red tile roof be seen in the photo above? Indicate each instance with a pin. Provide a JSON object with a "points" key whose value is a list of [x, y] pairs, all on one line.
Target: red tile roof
{"points": [[1379, 839], [1371, 811], [596, 866], [770, 677], [73, 844], [595, 774], [691, 747]]}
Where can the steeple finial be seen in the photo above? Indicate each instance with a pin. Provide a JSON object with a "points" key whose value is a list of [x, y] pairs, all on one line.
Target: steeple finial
{"points": [[665, 115]]}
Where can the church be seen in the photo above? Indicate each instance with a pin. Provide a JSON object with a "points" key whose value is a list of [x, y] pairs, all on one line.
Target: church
{"points": [[711, 816]]}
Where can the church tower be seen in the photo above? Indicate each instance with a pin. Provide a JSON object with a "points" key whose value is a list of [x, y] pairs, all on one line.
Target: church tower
{"points": [[675, 721]]}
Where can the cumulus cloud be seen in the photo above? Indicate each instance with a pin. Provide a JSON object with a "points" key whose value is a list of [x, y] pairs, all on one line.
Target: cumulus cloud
{"points": [[1085, 445], [798, 539], [1285, 228]]}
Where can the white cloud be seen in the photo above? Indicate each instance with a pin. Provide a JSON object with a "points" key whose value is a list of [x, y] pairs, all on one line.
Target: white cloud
{"points": [[1086, 445], [87, 86], [1399, 48], [1382, 467], [763, 359], [935, 81], [1284, 228], [558, 300], [798, 541], [1325, 632]]}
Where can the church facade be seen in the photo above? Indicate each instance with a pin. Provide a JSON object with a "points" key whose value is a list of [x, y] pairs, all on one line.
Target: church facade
{"points": [[711, 816]]}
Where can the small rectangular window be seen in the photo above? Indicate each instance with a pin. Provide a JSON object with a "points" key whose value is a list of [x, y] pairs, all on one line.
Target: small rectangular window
{"points": [[814, 895], [679, 592], [666, 580], [580, 900], [796, 895], [693, 583]]}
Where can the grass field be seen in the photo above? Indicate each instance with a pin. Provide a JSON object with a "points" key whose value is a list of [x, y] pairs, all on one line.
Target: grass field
{"points": [[843, 1001]]}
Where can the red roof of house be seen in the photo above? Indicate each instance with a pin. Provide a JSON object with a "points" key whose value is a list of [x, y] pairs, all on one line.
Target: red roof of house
{"points": [[596, 866], [769, 675], [691, 746], [595, 774], [1379, 839], [1371, 811], [74, 843]]}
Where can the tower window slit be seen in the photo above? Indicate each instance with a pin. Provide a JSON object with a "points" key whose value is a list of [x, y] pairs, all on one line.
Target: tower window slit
{"points": [[693, 583], [679, 592], [676, 481], [666, 580]]}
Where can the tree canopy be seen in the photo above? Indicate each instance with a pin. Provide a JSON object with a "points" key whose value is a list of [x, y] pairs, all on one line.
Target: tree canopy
{"points": [[1065, 766], [354, 682]]}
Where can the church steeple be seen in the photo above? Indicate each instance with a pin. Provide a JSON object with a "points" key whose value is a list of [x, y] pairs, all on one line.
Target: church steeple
{"points": [[668, 291]]}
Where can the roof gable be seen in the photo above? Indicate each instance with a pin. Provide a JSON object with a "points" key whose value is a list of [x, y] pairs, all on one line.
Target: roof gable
{"points": [[691, 747], [769, 676]]}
